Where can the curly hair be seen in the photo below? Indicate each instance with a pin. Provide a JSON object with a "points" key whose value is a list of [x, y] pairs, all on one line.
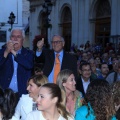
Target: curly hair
{"points": [[116, 98], [116, 92], [99, 95]]}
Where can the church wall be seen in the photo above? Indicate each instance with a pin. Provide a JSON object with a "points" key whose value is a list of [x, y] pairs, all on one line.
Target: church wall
{"points": [[83, 24]]}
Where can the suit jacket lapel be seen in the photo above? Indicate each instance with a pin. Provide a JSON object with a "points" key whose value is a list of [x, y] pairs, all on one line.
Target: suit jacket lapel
{"points": [[81, 85], [63, 60], [52, 57]]}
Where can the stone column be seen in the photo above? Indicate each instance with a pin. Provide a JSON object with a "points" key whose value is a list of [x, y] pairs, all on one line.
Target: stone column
{"points": [[75, 22]]}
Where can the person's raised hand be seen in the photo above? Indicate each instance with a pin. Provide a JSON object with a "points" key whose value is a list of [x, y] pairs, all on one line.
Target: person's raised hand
{"points": [[9, 47]]}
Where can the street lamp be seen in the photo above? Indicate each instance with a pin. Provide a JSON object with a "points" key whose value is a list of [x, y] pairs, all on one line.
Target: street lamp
{"points": [[11, 19], [47, 8]]}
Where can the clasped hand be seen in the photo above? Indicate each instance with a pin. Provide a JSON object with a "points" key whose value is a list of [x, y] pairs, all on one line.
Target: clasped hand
{"points": [[10, 47]]}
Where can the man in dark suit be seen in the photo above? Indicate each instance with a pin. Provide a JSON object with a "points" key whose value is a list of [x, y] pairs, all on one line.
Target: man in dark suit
{"points": [[16, 63], [67, 61], [84, 79]]}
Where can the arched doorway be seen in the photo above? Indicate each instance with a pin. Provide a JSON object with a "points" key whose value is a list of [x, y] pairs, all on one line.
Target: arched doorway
{"points": [[102, 22], [66, 21]]}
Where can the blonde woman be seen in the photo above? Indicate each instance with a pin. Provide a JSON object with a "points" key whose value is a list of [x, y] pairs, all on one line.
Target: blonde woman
{"points": [[72, 98], [27, 103]]}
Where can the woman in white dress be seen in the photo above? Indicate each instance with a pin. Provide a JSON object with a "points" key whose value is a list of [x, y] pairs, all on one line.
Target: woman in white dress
{"points": [[27, 103], [50, 105]]}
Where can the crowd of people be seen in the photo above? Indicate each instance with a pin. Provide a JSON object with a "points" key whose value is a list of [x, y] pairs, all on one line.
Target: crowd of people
{"points": [[51, 84]]}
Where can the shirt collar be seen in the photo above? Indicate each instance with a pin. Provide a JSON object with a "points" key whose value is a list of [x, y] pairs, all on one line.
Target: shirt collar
{"points": [[85, 81], [60, 53], [19, 51]]}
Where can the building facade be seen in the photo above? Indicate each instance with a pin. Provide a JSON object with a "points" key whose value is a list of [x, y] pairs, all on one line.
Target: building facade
{"points": [[20, 8], [77, 21]]}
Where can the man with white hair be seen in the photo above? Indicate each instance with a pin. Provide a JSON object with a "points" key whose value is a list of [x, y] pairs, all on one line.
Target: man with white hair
{"points": [[16, 63], [58, 57]]}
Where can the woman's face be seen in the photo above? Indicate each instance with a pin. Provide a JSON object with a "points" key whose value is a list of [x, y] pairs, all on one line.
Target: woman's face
{"points": [[40, 44], [45, 100], [33, 89], [69, 85]]}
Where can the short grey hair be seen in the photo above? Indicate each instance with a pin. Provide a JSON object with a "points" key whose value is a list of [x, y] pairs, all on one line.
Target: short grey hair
{"points": [[56, 35], [23, 32]]}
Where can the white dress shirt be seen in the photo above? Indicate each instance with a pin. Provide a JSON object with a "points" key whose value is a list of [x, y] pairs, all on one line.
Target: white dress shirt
{"points": [[85, 84]]}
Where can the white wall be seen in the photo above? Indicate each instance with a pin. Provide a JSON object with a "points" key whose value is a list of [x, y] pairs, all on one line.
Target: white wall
{"points": [[25, 12]]}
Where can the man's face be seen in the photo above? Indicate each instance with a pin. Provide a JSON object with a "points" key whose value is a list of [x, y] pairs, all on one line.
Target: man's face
{"points": [[104, 69], [17, 39], [89, 54], [92, 63], [57, 44], [115, 65], [105, 56], [86, 71], [118, 68], [84, 56]]}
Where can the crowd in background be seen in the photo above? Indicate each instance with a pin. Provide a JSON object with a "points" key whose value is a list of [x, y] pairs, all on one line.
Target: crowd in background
{"points": [[51, 84], [102, 63]]}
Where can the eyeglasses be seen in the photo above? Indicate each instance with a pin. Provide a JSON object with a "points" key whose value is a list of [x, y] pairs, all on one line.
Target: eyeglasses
{"points": [[97, 59], [56, 42], [18, 37], [115, 63], [85, 70]]}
